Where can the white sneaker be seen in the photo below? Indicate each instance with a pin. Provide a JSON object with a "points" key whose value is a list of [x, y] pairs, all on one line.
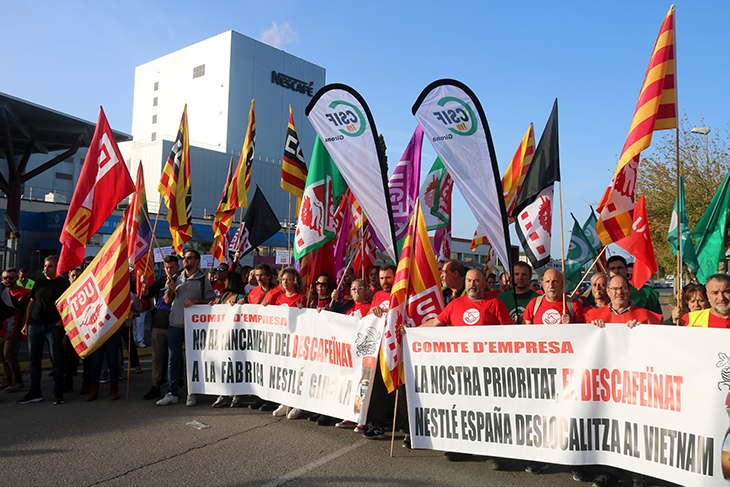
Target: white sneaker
{"points": [[280, 411], [168, 399], [141, 344], [220, 402], [294, 413], [191, 400]]}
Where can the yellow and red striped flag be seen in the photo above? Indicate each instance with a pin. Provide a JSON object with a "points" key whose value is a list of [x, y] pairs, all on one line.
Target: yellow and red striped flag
{"points": [[222, 221], [656, 109], [98, 302], [414, 299], [241, 181], [293, 167], [175, 187], [512, 180]]}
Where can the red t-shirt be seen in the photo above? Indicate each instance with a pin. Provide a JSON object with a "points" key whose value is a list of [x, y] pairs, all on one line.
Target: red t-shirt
{"points": [[218, 288], [635, 313], [550, 313], [362, 307], [257, 295], [382, 300], [714, 321], [283, 300], [465, 312]]}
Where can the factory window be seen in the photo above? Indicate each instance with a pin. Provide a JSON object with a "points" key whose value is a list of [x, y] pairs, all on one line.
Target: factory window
{"points": [[154, 102], [154, 136], [157, 85], [61, 175], [154, 118], [199, 71]]}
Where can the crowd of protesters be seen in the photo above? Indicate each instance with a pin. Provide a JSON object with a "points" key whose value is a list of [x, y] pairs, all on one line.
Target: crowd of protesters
{"points": [[29, 313]]}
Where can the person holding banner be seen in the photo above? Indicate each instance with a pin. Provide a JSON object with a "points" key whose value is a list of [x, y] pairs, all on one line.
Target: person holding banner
{"points": [[183, 290], [551, 309], [323, 285], [477, 308], [621, 309], [266, 292], [718, 315], [598, 296], [645, 297]]}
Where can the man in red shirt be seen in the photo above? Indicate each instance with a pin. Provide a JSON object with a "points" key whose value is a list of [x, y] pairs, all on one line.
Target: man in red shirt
{"points": [[620, 309], [474, 309], [265, 291], [381, 299], [549, 309], [17, 298], [219, 283]]}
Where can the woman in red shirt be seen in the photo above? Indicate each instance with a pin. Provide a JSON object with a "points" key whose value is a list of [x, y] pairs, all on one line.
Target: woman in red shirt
{"points": [[290, 283]]}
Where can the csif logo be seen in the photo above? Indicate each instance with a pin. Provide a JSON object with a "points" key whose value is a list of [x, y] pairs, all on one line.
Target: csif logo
{"points": [[348, 116], [457, 115]]}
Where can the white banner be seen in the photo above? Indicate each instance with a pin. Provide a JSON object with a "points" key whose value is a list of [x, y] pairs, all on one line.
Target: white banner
{"points": [[341, 119], [451, 121], [650, 400], [318, 362]]}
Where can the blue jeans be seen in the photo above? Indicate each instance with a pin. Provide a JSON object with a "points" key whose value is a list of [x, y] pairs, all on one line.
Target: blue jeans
{"points": [[37, 335], [175, 340], [112, 348]]}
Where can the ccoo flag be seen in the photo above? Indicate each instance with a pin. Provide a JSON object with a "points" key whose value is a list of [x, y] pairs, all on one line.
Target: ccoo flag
{"points": [[104, 182], [454, 122], [98, 302], [656, 109], [710, 232], [679, 218], [534, 204], [345, 126], [580, 251], [175, 188], [414, 299]]}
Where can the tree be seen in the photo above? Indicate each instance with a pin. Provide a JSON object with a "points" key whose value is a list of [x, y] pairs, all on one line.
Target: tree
{"points": [[703, 171]]}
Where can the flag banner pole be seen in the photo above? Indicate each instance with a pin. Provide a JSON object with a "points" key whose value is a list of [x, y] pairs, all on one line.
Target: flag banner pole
{"points": [[129, 354], [678, 279], [395, 414], [562, 238], [589, 270], [342, 279]]}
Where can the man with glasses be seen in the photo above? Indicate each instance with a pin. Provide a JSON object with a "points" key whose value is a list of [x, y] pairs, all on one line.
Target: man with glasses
{"points": [[43, 324], [219, 279], [188, 288], [16, 297], [621, 309]]}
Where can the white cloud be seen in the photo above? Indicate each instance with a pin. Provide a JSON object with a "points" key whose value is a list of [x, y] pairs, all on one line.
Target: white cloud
{"points": [[279, 35]]}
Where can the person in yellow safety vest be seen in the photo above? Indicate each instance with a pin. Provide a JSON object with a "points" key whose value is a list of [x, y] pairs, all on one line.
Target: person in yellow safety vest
{"points": [[718, 315]]}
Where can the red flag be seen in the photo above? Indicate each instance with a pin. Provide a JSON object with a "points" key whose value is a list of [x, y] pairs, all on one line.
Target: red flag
{"points": [[103, 183], [640, 246]]}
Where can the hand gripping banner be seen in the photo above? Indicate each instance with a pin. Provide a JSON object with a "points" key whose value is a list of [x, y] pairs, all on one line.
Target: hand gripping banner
{"points": [[453, 120], [343, 121]]}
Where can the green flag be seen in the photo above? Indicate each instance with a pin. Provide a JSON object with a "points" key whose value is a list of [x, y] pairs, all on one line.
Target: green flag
{"points": [[679, 215], [710, 232], [589, 229], [580, 251], [316, 225]]}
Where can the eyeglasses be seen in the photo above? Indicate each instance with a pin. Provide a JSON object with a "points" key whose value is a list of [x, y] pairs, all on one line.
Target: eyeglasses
{"points": [[189, 257], [9, 278], [616, 289], [320, 283]]}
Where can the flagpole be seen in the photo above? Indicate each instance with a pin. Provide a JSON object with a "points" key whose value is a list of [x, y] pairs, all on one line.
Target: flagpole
{"points": [[678, 279], [342, 279], [562, 238], [589, 269]]}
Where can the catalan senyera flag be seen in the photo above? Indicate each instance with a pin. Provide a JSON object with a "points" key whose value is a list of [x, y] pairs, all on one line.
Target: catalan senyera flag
{"points": [[512, 180], [175, 187], [241, 181], [104, 182], [98, 302], [293, 167], [414, 299], [656, 109], [222, 221]]}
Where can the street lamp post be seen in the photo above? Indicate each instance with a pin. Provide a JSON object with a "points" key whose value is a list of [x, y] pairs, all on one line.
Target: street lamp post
{"points": [[706, 132]]}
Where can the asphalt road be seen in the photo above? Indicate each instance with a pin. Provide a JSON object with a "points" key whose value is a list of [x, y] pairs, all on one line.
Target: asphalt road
{"points": [[119, 443]]}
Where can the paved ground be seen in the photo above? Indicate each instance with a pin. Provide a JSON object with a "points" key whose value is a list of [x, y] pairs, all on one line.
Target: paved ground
{"points": [[137, 443]]}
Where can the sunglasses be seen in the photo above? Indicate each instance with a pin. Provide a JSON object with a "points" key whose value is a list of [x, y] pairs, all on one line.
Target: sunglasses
{"points": [[320, 283], [9, 278]]}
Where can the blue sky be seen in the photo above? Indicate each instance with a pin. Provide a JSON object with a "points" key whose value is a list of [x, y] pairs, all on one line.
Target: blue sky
{"points": [[516, 56]]}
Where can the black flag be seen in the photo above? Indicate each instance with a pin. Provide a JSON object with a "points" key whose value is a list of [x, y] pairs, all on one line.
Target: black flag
{"points": [[258, 225], [534, 204]]}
